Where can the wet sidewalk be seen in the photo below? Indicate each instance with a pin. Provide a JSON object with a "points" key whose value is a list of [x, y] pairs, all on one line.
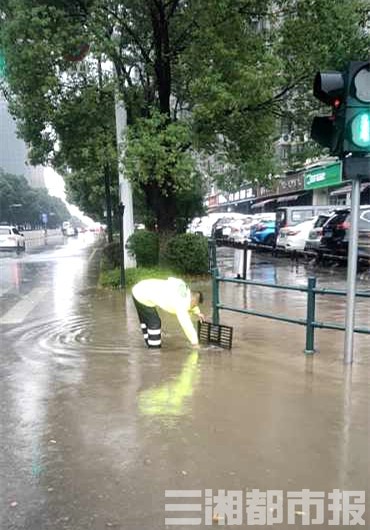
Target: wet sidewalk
{"points": [[96, 427]]}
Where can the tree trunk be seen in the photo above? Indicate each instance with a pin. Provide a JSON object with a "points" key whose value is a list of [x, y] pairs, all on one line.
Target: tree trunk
{"points": [[162, 63], [162, 206]]}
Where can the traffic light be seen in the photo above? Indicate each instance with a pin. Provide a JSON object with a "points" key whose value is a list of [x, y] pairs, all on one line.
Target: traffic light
{"points": [[357, 115], [330, 88]]}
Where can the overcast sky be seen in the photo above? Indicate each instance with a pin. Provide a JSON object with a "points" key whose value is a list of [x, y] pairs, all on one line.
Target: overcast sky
{"points": [[55, 185]]}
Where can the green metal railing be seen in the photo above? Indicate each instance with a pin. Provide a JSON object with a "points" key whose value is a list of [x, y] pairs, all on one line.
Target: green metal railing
{"points": [[309, 321]]}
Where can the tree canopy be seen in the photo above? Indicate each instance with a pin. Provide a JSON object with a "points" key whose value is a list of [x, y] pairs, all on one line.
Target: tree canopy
{"points": [[22, 205], [202, 76]]}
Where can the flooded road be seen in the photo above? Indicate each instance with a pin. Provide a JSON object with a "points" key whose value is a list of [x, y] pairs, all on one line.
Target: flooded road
{"points": [[95, 428]]}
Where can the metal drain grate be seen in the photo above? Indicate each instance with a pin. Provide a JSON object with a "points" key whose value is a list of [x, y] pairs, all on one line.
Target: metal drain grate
{"points": [[218, 334]]}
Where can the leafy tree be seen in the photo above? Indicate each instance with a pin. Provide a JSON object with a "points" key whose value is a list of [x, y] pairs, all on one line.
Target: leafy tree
{"points": [[31, 203], [212, 75], [258, 72]]}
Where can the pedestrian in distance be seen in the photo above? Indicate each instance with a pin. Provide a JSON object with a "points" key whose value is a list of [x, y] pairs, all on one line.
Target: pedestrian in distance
{"points": [[173, 296]]}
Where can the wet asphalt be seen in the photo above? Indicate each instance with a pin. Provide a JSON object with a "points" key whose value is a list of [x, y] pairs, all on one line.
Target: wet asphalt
{"points": [[95, 428]]}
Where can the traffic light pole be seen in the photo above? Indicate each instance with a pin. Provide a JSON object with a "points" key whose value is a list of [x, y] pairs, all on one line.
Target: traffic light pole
{"points": [[347, 135], [352, 271]]}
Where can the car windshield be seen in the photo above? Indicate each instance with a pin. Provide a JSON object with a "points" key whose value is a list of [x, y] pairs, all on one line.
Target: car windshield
{"points": [[321, 220], [336, 219]]}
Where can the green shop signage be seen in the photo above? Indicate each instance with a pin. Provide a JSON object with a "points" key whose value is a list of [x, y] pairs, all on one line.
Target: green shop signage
{"points": [[323, 177]]}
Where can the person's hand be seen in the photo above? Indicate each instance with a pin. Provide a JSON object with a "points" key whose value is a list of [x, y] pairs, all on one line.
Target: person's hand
{"points": [[201, 317], [196, 346]]}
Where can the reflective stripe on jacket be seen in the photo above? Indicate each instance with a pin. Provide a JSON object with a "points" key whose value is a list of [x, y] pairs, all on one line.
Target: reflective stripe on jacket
{"points": [[171, 295]]}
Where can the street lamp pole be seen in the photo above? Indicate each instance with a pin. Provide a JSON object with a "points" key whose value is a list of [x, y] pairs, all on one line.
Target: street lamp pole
{"points": [[121, 211], [125, 189]]}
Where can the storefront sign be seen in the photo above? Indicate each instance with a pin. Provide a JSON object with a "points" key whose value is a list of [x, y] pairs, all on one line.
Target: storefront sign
{"points": [[282, 185], [323, 177]]}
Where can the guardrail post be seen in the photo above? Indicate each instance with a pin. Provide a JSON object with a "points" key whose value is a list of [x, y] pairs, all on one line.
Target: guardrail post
{"points": [[215, 297], [244, 263], [311, 307]]}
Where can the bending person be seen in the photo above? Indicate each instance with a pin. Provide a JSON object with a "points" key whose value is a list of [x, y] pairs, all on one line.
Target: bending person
{"points": [[171, 295]]}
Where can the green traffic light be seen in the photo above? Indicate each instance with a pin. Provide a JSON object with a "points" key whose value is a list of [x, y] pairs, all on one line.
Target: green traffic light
{"points": [[360, 129]]}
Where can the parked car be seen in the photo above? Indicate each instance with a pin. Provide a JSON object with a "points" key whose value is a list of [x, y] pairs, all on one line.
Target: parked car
{"points": [[11, 238], [335, 236], [294, 237], [263, 232], [193, 225], [293, 215], [203, 225], [223, 226], [313, 241], [240, 229]]}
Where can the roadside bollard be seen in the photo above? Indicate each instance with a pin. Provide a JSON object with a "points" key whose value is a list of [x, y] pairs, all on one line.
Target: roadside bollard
{"points": [[247, 260]]}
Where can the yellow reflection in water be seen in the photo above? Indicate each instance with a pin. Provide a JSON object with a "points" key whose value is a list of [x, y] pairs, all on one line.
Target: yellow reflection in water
{"points": [[170, 399]]}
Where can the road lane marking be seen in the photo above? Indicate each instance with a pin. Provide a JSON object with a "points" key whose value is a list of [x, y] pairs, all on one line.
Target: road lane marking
{"points": [[92, 254], [20, 310]]}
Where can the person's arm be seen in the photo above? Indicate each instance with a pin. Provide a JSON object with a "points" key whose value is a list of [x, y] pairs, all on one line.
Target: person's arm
{"points": [[196, 311], [188, 327]]}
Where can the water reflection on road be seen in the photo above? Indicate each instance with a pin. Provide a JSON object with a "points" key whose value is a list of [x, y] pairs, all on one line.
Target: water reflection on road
{"points": [[95, 427]]}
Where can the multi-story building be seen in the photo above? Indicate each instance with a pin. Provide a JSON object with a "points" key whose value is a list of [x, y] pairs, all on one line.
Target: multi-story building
{"points": [[13, 151]]}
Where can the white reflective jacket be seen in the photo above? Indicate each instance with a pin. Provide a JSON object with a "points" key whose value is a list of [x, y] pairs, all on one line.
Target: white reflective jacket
{"points": [[171, 295]]}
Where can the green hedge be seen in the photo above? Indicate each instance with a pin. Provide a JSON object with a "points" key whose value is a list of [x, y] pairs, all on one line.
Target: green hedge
{"points": [[111, 278], [144, 245], [183, 255], [187, 254]]}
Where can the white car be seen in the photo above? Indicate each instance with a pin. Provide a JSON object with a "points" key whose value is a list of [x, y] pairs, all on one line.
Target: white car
{"points": [[294, 237], [240, 229], [71, 231], [203, 225], [11, 238]]}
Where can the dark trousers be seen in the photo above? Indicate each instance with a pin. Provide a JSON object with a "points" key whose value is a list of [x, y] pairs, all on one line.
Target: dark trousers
{"points": [[150, 324]]}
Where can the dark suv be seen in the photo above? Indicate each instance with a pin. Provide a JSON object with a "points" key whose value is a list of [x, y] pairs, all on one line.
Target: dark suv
{"points": [[335, 232]]}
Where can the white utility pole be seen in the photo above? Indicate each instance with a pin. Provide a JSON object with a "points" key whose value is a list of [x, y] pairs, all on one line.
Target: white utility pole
{"points": [[125, 189]]}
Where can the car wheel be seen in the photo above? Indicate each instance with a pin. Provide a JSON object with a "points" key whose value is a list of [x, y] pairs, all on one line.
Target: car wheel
{"points": [[270, 240]]}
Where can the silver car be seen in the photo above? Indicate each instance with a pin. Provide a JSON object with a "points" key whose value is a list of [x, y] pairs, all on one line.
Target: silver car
{"points": [[314, 237]]}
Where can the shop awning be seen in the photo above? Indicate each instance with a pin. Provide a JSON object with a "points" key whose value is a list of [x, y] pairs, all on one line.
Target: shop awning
{"points": [[348, 189], [288, 198], [262, 203]]}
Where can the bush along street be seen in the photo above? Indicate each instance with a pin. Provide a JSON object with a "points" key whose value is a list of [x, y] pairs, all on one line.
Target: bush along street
{"points": [[183, 255]]}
